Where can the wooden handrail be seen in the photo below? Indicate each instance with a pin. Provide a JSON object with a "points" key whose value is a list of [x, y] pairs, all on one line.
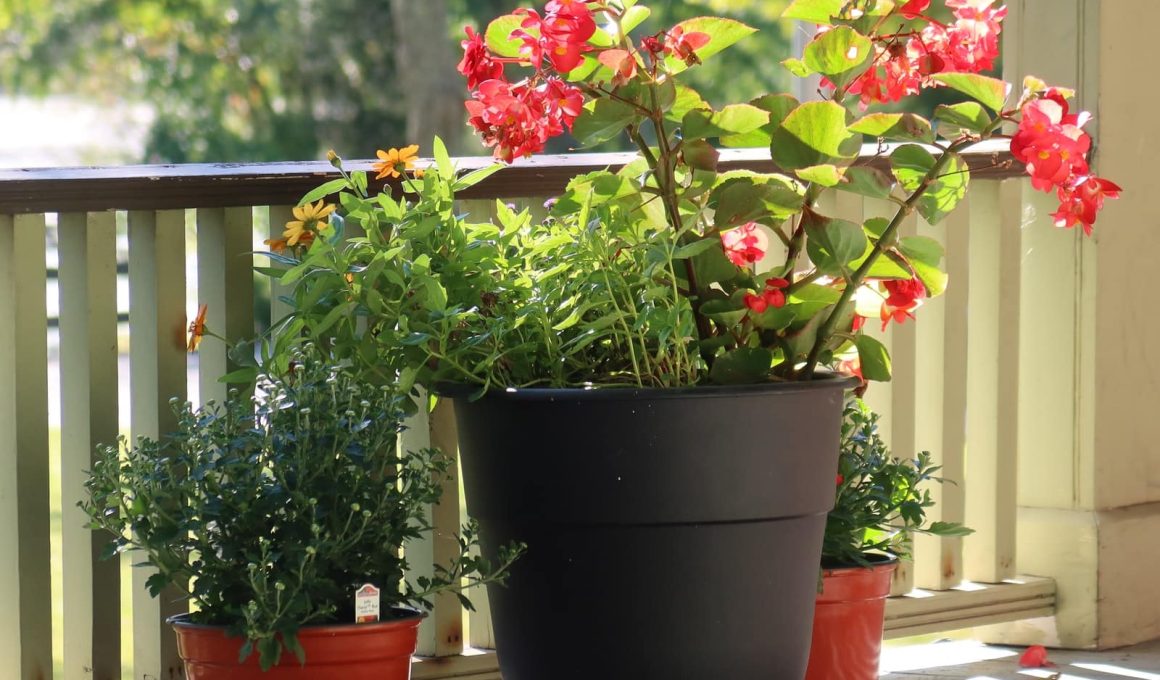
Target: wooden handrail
{"points": [[160, 187]]}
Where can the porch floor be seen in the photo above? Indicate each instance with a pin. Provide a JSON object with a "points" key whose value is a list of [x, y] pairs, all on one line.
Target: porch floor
{"points": [[966, 660]]}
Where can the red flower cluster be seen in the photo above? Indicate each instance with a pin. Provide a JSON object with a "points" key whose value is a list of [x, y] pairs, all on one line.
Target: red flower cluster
{"points": [[903, 297], [1052, 144], [903, 67], [773, 296], [683, 45], [745, 244], [519, 118], [561, 34]]}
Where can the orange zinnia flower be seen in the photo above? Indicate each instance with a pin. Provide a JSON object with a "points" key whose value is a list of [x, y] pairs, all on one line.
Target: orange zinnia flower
{"points": [[394, 162], [197, 329]]}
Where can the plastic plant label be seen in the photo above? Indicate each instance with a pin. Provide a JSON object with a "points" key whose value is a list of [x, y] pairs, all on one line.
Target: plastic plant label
{"points": [[366, 604]]}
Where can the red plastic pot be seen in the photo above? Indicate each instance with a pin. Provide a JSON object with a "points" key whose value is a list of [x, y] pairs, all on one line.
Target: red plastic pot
{"points": [[848, 621], [365, 651]]}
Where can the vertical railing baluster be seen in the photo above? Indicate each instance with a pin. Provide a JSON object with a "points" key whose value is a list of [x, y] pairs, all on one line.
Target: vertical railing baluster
{"points": [[944, 381], [30, 353], [88, 387], [225, 283], [279, 216], [993, 381], [157, 367]]}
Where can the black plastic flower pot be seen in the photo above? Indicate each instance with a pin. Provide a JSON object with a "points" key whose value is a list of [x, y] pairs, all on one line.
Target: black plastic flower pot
{"points": [[672, 534]]}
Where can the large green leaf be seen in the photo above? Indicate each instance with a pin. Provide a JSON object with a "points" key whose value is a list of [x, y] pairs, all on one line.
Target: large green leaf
{"points": [[827, 175], [904, 127], [814, 11], [814, 133], [778, 106], [840, 54], [912, 164], [956, 118], [601, 120], [922, 249], [686, 99], [498, 35], [832, 243], [738, 200], [724, 311], [736, 119], [722, 33], [991, 92], [866, 181], [741, 366], [874, 358]]}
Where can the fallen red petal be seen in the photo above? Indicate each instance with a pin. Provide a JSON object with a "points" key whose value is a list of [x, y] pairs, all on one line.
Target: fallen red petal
{"points": [[1035, 657]]}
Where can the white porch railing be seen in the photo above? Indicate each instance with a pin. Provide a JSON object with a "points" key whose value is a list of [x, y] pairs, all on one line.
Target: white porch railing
{"points": [[65, 615]]}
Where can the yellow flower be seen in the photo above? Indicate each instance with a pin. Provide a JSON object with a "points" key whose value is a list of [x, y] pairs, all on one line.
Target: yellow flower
{"points": [[310, 218], [395, 162]]}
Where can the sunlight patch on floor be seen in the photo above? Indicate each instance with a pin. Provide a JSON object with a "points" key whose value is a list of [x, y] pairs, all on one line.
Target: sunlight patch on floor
{"points": [[920, 657]]}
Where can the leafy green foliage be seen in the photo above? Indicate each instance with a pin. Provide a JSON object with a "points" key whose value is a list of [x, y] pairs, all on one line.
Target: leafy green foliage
{"points": [[270, 511], [881, 500]]}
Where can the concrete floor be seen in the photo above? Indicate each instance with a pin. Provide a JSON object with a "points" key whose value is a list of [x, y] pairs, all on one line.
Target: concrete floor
{"points": [[974, 661]]}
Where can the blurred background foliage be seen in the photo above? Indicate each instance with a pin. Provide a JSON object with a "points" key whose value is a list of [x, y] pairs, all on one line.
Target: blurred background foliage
{"points": [[264, 80]]}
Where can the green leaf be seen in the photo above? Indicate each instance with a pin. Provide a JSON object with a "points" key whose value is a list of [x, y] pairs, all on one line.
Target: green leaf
{"points": [[933, 278], [744, 365], [906, 127], [874, 358], [778, 106], [324, 190], [736, 119], [476, 176], [722, 33], [814, 11], [695, 248], [700, 155], [814, 133], [601, 120], [825, 175], [866, 181], [991, 92], [922, 249], [840, 54], [498, 35], [797, 67], [724, 311], [633, 17], [442, 158], [747, 199], [686, 100], [956, 118], [912, 163], [832, 243]]}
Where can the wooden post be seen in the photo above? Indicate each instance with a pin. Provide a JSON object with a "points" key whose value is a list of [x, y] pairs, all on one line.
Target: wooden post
{"points": [[225, 282]]}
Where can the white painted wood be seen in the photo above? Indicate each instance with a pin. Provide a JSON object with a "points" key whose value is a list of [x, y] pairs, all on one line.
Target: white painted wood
{"points": [[279, 216], [157, 364], [943, 379], [992, 381], [10, 634], [441, 633], [30, 351], [225, 282], [904, 403], [88, 375], [879, 396], [968, 605]]}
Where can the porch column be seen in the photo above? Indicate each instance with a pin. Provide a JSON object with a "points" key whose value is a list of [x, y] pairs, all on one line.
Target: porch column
{"points": [[1089, 462]]}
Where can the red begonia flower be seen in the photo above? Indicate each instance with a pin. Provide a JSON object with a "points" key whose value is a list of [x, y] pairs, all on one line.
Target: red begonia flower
{"points": [[745, 244], [1035, 657], [903, 296], [477, 63]]}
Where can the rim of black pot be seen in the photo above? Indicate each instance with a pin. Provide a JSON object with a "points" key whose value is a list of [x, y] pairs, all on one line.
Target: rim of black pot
{"points": [[823, 380], [406, 613]]}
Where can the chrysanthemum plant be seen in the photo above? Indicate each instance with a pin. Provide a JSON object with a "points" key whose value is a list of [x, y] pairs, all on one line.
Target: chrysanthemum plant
{"points": [[588, 67]]}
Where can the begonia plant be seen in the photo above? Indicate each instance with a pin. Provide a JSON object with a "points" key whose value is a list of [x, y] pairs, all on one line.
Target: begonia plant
{"points": [[673, 270], [587, 67]]}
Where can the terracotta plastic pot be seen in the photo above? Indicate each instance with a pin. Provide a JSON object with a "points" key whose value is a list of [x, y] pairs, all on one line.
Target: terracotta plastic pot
{"points": [[365, 651], [674, 532], [848, 621]]}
